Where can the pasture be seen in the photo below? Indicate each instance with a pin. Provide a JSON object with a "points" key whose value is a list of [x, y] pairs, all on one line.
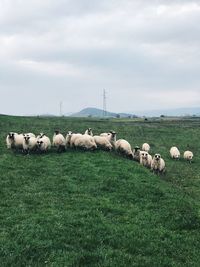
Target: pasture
{"points": [[97, 208]]}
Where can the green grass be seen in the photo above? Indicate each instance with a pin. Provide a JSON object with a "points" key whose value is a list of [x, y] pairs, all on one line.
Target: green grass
{"points": [[97, 208]]}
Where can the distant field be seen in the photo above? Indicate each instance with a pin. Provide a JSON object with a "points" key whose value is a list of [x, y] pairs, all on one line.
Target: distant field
{"points": [[97, 208]]}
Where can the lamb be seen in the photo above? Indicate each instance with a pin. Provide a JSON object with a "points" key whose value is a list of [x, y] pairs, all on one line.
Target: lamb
{"points": [[59, 141], [146, 147], [102, 142], [89, 131], [174, 153], [14, 140], [29, 144], [85, 142], [43, 143], [145, 159], [136, 153], [188, 155], [158, 164], [123, 147]]}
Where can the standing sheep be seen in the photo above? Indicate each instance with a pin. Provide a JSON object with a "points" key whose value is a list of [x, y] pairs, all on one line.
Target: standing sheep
{"points": [[136, 153], [10, 140], [72, 137], [102, 142], [85, 142], [146, 147], [89, 131], [14, 141], [145, 159], [158, 164], [59, 141], [29, 143], [43, 143], [123, 147], [174, 153], [188, 155]]}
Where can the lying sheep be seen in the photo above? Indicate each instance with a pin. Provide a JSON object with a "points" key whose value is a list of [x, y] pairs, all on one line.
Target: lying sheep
{"points": [[14, 140], [188, 155], [85, 142], [43, 143], [89, 131], [145, 159], [102, 142], [158, 164], [123, 147], [29, 143], [146, 147], [136, 153], [174, 153], [59, 141]]}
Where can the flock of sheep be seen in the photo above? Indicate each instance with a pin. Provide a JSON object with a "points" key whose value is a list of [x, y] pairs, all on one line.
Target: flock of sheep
{"points": [[28, 142]]}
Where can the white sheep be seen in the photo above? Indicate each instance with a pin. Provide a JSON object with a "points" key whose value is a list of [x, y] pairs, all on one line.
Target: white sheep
{"points": [[145, 159], [15, 140], [29, 134], [68, 138], [102, 142], [43, 143], [85, 142], [174, 153], [72, 137], [188, 155], [136, 153], [158, 164], [146, 147], [89, 131], [59, 141], [111, 136], [29, 143], [123, 147]]}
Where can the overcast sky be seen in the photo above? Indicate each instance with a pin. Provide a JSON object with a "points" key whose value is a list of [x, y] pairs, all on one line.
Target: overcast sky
{"points": [[146, 54]]}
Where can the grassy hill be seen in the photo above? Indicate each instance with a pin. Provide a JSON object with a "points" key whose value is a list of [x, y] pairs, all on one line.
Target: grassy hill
{"points": [[98, 208]]}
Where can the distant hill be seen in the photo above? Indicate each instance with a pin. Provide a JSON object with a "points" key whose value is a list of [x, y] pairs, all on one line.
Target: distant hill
{"points": [[95, 112], [170, 112]]}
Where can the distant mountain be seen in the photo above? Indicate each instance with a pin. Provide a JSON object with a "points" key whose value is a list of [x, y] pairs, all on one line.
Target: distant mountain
{"points": [[170, 112], [95, 112]]}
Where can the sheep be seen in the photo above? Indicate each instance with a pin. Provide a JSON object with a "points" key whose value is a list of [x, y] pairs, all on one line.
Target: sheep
{"points": [[111, 136], [59, 141], [146, 147], [29, 143], [43, 143], [68, 138], [123, 147], [10, 140], [102, 142], [73, 137], [89, 131], [14, 140], [174, 153], [158, 164], [145, 159], [85, 142], [136, 153], [29, 134], [188, 155]]}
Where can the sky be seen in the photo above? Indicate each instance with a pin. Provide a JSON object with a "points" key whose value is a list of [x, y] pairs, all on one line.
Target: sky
{"points": [[144, 53]]}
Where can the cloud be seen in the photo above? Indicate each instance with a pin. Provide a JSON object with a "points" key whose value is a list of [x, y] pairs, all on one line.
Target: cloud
{"points": [[71, 50]]}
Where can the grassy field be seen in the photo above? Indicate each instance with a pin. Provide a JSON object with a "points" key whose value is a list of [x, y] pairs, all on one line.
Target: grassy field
{"points": [[97, 208]]}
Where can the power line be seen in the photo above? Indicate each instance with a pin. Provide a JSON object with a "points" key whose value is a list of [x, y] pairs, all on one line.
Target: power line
{"points": [[104, 103]]}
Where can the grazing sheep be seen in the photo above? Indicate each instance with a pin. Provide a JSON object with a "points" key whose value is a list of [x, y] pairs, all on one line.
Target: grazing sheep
{"points": [[146, 147], [85, 142], [145, 159], [102, 142], [29, 143], [59, 141], [174, 153], [15, 140], [158, 164], [136, 153], [89, 131], [43, 143], [188, 155], [123, 147]]}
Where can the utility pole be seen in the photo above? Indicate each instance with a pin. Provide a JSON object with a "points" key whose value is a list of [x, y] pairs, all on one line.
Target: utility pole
{"points": [[104, 103], [61, 105]]}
